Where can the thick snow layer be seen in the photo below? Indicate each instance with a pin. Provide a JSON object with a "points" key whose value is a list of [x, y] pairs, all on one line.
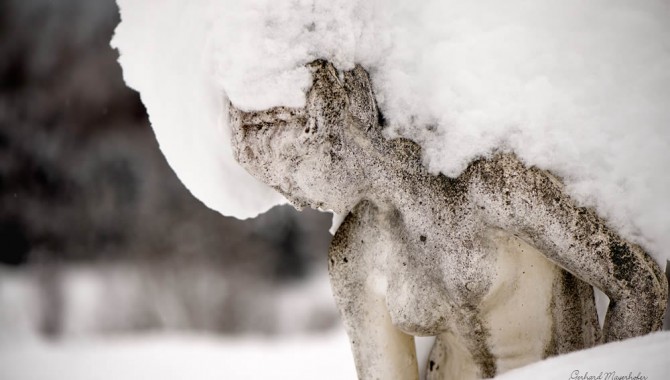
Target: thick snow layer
{"points": [[313, 357], [645, 357], [166, 54], [578, 87]]}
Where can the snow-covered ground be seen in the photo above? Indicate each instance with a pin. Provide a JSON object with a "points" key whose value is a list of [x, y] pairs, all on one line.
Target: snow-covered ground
{"points": [[327, 356], [180, 357]]}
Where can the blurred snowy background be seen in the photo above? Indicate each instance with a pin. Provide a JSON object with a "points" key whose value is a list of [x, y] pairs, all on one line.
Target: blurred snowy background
{"points": [[100, 242], [110, 268]]}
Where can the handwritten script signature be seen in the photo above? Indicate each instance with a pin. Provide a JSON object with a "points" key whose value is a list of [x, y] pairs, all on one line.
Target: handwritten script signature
{"points": [[612, 375]]}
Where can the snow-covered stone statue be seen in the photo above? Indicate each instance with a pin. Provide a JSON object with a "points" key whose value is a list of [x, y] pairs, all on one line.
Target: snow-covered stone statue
{"points": [[498, 263]]}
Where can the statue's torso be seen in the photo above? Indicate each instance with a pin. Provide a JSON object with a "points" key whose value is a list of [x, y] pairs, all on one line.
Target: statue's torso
{"points": [[491, 298]]}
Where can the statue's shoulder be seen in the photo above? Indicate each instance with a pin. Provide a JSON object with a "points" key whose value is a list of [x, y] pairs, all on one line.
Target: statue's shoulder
{"points": [[353, 236], [498, 164], [504, 169], [406, 153], [360, 215]]}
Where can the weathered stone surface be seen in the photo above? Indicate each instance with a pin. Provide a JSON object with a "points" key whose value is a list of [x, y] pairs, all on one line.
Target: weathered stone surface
{"points": [[497, 263]]}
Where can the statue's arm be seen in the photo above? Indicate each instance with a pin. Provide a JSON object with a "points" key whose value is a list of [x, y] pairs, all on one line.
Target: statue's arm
{"points": [[381, 351], [533, 205]]}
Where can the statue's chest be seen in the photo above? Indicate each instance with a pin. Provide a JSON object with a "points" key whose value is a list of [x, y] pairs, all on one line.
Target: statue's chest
{"points": [[419, 306], [430, 286]]}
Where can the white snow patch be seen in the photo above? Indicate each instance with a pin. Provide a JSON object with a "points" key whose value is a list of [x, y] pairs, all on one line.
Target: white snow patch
{"points": [[166, 55], [336, 223], [180, 357], [579, 88], [645, 357]]}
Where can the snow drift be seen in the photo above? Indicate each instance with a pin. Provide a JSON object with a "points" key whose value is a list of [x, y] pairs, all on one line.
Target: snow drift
{"points": [[578, 88]]}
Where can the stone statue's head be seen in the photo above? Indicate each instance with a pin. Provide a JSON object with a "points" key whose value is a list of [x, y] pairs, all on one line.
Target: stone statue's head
{"points": [[311, 155]]}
